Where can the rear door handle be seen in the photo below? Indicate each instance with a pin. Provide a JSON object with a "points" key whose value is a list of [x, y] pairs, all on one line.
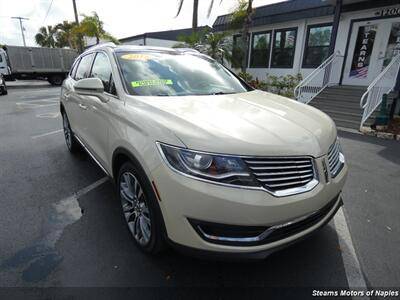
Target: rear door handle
{"points": [[83, 106]]}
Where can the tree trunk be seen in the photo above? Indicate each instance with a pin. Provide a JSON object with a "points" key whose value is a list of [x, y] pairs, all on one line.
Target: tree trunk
{"points": [[195, 14], [245, 35], [97, 40]]}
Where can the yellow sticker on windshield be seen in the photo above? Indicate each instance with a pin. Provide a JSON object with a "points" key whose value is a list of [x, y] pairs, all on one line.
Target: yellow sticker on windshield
{"points": [[136, 56], [151, 82]]}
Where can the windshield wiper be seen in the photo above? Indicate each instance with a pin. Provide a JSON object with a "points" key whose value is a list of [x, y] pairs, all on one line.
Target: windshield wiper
{"points": [[221, 93]]}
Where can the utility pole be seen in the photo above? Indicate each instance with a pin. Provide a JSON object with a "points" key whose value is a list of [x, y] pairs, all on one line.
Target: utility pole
{"points": [[22, 27], [80, 45], [75, 12]]}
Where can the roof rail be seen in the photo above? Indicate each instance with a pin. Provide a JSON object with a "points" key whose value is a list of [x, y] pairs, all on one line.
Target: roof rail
{"points": [[107, 44]]}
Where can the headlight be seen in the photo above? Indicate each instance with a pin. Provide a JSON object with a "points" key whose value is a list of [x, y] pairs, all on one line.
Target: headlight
{"points": [[223, 169]]}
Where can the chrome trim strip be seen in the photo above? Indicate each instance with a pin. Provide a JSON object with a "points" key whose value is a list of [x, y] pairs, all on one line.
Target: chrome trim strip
{"points": [[270, 230], [288, 192], [91, 155]]}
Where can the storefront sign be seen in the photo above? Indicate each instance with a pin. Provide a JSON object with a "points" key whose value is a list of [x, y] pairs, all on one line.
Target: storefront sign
{"points": [[362, 51], [392, 11]]}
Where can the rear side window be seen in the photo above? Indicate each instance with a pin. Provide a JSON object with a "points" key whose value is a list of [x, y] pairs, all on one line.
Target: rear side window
{"points": [[102, 69], [73, 69], [84, 67]]}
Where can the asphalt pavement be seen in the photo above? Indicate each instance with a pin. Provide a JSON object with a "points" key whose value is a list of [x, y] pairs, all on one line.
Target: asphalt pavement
{"points": [[61, 224]]}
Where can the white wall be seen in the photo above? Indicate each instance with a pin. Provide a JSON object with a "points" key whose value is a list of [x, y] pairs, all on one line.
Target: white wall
{"points": [[136, 42], [151, 42], [160, 43]]}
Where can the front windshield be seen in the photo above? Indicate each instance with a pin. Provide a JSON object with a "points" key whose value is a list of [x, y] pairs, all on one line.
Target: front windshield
{"points": [[176, 74]]}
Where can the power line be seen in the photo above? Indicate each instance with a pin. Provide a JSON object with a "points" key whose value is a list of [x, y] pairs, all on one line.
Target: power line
{"points": [[48, 11]]}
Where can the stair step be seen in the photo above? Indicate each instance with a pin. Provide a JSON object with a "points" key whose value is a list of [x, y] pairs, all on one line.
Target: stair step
{"points": [[335, 105], [335, 97]]}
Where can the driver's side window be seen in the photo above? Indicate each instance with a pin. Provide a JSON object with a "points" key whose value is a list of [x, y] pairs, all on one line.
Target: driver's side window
{"points": [[102, 69]]}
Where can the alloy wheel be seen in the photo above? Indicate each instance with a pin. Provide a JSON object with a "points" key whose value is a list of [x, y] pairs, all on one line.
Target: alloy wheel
{"points": [[135, 209]]}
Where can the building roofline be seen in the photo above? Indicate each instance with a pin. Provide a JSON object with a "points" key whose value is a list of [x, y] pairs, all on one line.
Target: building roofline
{"points": [[164, 34]]}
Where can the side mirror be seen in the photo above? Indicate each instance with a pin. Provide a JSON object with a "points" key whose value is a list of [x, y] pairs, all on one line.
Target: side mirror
{"points": [[91, 87]]}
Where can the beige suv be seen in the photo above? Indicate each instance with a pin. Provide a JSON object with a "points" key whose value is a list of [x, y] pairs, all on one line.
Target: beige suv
{"points": [[202, 161]]}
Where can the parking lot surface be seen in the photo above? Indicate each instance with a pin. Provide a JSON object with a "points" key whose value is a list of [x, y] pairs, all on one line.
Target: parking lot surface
{"points": [[61, 225]]}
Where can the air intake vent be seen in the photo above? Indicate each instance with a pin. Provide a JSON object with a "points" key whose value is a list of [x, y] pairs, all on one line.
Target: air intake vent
{"points": [[284, 175], [335, 159]]}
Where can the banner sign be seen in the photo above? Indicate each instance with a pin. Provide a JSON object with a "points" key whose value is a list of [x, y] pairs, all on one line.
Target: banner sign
{"points": [[362, 51]]}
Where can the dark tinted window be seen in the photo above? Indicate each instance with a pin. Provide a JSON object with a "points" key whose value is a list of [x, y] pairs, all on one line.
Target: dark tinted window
{"points": [[237, 51], [84, 67], [283, 48], [260, 47], [175, 74], [317, 45], [102, 70]]}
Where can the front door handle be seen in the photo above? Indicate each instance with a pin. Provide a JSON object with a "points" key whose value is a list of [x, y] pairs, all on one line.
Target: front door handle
{"points": [[83, 106]]}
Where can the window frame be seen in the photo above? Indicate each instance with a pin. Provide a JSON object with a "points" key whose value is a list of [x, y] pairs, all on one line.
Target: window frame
{"points": [[309, 27], [112, 74], [74, 68], [268, 49], [294, 47], [90, 65]]}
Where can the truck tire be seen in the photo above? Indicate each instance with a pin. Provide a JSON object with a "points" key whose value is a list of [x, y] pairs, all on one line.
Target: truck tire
{"points": [[56, 80]]}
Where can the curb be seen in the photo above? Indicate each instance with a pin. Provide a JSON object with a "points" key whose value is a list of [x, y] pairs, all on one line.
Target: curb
{"points": [[19, 87], [379, 134]]}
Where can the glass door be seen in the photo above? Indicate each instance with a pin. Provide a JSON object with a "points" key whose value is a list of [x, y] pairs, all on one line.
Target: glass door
{"points": [[362, 58], [372, 46]]}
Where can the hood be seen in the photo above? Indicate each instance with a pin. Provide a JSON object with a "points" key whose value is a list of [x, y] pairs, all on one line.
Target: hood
{"points": [[252, 123]]}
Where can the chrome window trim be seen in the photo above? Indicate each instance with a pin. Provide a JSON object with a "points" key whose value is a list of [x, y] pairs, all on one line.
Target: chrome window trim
{"points": [[282, 193]]}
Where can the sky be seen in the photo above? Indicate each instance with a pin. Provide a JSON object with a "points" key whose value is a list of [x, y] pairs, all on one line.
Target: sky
{"points": [[122, 18]]}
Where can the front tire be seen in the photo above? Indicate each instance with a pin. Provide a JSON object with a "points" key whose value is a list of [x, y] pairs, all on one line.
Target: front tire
{"points": [[72, 144], [140, 209]]}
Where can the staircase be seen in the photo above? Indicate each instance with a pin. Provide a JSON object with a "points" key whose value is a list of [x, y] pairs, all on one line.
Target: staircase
{"points": [[342, 104]]}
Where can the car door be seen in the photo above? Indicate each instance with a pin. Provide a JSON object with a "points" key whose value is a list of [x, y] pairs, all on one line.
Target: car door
{"points": [[98, 112], [75, 107]]}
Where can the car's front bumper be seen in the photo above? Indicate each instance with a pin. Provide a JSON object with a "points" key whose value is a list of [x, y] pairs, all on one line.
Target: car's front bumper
{"points": [[184, 199]]}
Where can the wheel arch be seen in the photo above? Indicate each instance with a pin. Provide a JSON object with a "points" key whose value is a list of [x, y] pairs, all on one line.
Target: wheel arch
{"points": [[119, 157]]}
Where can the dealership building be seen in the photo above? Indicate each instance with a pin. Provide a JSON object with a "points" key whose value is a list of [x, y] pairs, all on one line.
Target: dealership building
{"points": [[339, 42]]}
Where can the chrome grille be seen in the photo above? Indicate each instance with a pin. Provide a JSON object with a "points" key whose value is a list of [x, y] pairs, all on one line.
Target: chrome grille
{"points": [[280, 174], [334, 159]]}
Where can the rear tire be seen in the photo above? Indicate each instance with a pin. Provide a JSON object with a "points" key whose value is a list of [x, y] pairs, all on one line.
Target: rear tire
{"points": [[72, 144], [140, 209]]}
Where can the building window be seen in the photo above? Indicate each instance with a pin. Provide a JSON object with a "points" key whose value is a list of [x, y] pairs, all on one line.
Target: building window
{"points": [[317, 45], [283, 48], [237, 51], [260, 48]]}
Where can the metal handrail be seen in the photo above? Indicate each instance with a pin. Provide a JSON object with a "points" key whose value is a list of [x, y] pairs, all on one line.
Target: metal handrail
{"points": [[382, 84], [319, 79]]}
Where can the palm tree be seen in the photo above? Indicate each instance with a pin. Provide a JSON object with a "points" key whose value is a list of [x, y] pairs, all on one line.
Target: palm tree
{"points": [[66, 35], [92, 26], [46, 36], [195, 11], [218, 46], [242, 19]]}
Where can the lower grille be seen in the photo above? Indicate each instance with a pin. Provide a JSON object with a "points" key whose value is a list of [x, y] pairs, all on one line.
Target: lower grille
{"points": [[259, 235], [280, 174]]}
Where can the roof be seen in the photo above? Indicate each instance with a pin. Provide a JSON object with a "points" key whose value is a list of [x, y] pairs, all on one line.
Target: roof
{"points": [[171, 35], [298, 9]]}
